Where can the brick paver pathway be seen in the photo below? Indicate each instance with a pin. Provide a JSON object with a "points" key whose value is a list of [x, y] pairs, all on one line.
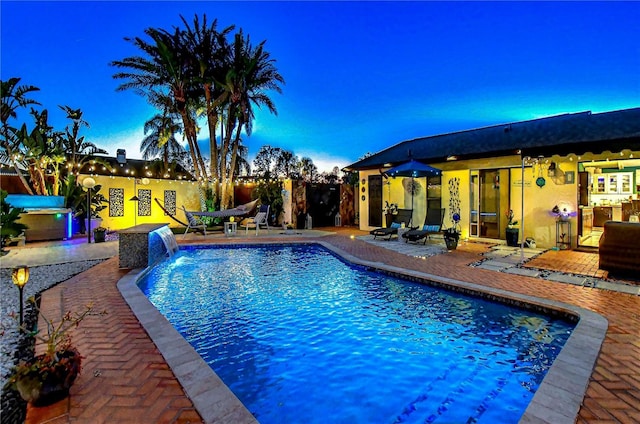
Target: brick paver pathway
{"points": [[126, 380]]}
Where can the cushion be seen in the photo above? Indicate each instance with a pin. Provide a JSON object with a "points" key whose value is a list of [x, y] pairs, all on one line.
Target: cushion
{"points": [[395, 225], [431, 228]]}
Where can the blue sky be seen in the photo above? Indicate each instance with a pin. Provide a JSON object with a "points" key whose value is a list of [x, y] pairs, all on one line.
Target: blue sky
{"points": [[360, 76]]}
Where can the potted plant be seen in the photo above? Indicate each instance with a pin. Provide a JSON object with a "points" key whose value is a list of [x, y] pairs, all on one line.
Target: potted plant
{"points": [[451, 235], [99, 234], [389, 211], [512, 229], [47, 378], [561, 215]]}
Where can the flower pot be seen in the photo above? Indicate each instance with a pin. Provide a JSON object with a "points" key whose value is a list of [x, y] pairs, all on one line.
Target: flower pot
{"points": [[95, 223], [451, 242], [99, 236], [48, 382], [512, 236]]}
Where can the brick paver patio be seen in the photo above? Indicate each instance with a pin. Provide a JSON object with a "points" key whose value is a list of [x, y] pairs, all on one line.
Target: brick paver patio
{"points": [[125, 379]]}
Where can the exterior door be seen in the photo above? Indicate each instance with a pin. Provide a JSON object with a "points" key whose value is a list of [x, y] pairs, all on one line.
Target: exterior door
{"points": [[375, 200], [488, 187]]}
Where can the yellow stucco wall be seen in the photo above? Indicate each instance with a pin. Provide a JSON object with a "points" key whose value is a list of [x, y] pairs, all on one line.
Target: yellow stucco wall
{"points": [[187, 194], [539, 222]]}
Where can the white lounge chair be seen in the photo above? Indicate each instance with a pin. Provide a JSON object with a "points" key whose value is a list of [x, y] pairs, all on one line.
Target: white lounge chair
{"points": [[194, 223], [261, 219]]}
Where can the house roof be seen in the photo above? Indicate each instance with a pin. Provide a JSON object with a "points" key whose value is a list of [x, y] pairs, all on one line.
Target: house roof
{"points": [[576, 133]]}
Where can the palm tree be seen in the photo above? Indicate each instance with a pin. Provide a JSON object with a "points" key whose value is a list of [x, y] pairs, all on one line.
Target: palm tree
{"points": [[78, 151], [13, 97], [210, 50], [165, 73], [252, 74], [161, 140]]}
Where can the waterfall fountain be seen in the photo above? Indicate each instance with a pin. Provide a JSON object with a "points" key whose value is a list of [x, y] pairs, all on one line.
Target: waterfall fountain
{"points": [[169, 239], [145, 244]]}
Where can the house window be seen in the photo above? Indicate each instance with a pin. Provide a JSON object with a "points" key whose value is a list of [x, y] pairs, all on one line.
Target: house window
{"points": [[434, 192]]}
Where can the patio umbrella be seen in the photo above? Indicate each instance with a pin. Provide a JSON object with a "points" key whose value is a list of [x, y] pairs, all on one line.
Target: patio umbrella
{"points": [[413, 169]]}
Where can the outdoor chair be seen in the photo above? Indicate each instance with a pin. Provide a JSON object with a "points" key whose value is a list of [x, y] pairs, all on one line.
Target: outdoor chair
{"points": [[194, 223], [402, 217], [261, 219], [432, 225]]}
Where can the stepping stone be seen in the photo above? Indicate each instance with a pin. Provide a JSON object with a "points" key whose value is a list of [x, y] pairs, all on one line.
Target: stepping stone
{"points": [[565, 278], [493, 265], [498, 254], [525, 272]]}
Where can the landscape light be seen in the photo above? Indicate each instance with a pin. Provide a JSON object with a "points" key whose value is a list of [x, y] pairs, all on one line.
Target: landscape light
{"points": [[20, 276]]}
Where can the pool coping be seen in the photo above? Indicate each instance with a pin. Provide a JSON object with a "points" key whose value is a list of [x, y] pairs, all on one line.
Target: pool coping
{"points": [[557, 400]]}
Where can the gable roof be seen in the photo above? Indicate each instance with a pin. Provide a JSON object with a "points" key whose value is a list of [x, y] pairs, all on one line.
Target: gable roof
{"points": [[576, 133]]}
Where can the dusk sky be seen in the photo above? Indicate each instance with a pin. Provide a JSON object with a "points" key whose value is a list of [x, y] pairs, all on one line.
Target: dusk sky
{"points": [[360, 76]]}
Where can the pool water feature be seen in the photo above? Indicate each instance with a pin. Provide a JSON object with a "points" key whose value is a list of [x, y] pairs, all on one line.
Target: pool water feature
{"points": [[300, 336]]}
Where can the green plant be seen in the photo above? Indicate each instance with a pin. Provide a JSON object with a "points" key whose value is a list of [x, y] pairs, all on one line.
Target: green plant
{"points": [[8, 217], [453, 232], [58, 366], [270, 193], [510, 219]]}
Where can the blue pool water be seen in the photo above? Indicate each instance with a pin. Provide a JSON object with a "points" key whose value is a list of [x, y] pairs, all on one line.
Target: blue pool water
{"points": [[302, 337]]}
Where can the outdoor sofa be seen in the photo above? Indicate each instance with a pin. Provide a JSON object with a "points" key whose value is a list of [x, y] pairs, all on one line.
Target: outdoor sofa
{"points": [[619, 248]]}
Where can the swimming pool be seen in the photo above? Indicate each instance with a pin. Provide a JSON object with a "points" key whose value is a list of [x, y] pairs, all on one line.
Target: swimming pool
{"points": [[361, 347]]}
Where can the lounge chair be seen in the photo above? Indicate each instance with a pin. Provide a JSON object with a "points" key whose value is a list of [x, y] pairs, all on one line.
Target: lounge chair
{"points": [[402, 217], [432, 225], [194, 223], [261, 219]]}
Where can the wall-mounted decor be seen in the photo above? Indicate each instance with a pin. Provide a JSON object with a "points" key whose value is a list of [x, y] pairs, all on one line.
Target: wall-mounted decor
{"points": [[364, 190], [363, 181], [569, 177], [170, 202], [116, 202], [363, 198], [144, 202]]}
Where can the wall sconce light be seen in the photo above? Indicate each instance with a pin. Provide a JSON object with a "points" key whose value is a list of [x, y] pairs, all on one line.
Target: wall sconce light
{"points": [[20, 276]]}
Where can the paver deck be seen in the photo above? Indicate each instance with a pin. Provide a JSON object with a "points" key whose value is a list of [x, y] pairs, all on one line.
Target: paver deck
{"points": [[125, 379]]}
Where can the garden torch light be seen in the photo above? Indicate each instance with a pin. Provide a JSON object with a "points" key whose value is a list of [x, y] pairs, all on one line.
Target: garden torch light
{"points": [[20, 276], [88, 183]]}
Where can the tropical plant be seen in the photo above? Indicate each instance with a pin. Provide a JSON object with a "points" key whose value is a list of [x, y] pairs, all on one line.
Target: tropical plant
{"points": [[14, 96], [79, 153], [160, 140], [196, 71], [9, 227], [270, 193], [511, 222]]}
